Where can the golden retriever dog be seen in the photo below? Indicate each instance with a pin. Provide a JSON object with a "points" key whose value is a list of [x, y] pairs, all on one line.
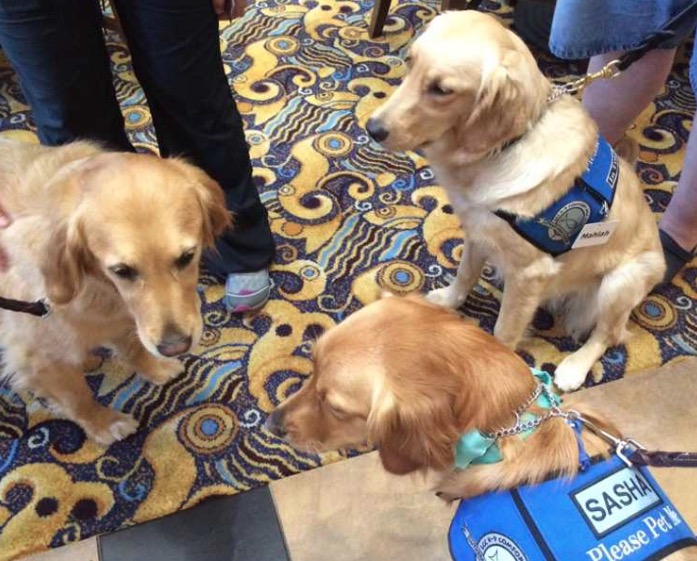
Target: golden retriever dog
{"points": [[113, 240], [410, 377], [476, 104]]}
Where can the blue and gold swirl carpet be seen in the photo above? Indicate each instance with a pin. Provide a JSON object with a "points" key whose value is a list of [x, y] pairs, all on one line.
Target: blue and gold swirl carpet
{"points": [[349, 218]]}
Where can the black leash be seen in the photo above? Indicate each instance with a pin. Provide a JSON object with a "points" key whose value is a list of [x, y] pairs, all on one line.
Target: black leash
{"points": [[41, 308], [677, 25], [657, 458], [633, 453]]}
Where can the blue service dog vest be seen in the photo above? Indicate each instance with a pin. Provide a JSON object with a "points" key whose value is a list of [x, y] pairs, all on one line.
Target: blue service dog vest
{"points": [[610, 512], [555, 229]]}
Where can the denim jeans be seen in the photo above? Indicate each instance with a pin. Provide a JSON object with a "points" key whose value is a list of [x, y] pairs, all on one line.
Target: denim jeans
{"points": [[583, 28], [58, 50]]}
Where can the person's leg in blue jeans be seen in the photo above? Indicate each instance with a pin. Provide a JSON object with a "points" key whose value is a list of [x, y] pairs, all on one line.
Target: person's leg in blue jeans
{"points": [[603, 30], [176, 56], [58, 50]]}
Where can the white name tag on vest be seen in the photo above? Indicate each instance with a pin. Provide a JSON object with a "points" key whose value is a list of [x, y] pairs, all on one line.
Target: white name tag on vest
{"points": [[596, 233]]}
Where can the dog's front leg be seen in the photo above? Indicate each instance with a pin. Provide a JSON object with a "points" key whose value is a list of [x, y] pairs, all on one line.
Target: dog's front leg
{"points": [[66, 388], [521, 297], [468, 272], [154, 369]]}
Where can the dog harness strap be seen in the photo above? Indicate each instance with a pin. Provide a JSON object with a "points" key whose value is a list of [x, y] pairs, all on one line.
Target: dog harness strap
{"points": [[555, 229], [606, 513], [584, 460], [40, 308]]}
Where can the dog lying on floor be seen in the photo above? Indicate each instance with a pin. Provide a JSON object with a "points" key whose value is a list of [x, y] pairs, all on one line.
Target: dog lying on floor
{"points": [[505, 151], [412, 378], [113, 240]]}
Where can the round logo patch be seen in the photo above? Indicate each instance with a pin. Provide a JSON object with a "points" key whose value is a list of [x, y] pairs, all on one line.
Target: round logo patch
{"points": [[568, 221], [497, 547]]}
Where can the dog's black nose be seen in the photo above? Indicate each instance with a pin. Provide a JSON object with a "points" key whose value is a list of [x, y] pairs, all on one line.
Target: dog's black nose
{"points": [[274, 424], [377, 130], [174, 342]]}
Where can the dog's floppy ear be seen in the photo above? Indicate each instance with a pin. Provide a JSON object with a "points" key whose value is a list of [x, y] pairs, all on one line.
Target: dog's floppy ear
{"points": [[501, 109], [67, 261], [216, 217], [415, 430]]}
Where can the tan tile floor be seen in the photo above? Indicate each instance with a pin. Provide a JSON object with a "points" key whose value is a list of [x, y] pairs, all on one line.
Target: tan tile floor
{"points": [[354, 511], [85, 550]]}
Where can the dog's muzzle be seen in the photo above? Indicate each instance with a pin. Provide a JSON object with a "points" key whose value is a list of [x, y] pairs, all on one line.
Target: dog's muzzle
{"points": [[377, 130], [274, 424], [174, 342]]}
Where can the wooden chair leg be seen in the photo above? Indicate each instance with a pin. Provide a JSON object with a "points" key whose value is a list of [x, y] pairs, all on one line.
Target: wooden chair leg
{"points": [[460, 5], [377, 20], [454, 5]]}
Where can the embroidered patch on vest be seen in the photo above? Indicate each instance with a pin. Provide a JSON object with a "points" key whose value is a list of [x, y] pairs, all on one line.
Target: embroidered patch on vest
{"points": [[610, 512], [555, 229], [499, 548]]}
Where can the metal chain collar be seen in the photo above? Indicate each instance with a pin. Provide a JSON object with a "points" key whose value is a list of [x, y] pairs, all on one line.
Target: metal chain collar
{"points": [[521, 426]]}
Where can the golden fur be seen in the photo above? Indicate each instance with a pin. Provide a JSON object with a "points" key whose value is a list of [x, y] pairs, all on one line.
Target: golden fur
{"points": [[472, 87], [114, 241], [411, 377]]}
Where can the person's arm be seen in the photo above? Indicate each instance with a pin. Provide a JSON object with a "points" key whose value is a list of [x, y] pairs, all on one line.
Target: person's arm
{"points": [[5, 221], [229, 9]]}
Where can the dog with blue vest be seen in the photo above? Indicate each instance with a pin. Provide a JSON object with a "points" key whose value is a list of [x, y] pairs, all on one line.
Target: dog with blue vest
{"points": [[434, 393], [539, 194]]}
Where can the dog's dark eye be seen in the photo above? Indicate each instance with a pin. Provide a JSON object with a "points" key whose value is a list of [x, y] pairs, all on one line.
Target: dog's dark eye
{"points": [[125, 272], [436, 89], [185, 259]]}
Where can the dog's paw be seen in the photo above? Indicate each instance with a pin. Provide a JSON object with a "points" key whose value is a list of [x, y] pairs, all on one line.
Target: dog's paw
{"points": [[447, 497], [163, 370], [569, 375], [108, 426], [449, 297]]}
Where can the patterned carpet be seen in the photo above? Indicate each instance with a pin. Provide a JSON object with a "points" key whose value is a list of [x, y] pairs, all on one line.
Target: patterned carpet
{"points": [[349, 218]]}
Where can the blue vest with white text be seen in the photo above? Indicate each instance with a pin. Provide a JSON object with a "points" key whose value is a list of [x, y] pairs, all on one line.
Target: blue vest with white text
{"points": [[610, 512], [555, 229]]}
